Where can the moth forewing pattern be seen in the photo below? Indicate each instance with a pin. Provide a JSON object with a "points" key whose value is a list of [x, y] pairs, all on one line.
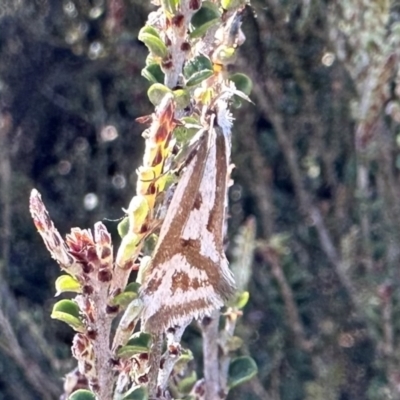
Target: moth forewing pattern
{"points": [[189, 276]]}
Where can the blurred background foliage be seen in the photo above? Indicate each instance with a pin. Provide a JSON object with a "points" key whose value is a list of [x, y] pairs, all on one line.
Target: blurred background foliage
{"points": [[317, 163]]}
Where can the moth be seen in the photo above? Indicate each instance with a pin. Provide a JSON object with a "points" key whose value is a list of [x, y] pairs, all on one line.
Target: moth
{"points": [[188, 276]]}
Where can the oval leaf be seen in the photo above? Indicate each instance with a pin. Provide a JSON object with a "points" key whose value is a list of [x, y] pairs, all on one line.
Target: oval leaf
{"points": [[183, 133], [231, 4], [234, 343], [128, 249], [136, 393], [224, 55], [124, 299], [187, 383], [123, 227], [133, 287], [170, 6], [208, 12], [153, 73], [82, 394], [199, 77], [182, 98], [138, 343], [140, 339], [241, 300], [150, 30], [156, 46], [241, 370], [201, 30], [197, 64], [130, 293], [68, 312], [156, 93], [183, 361], [67, 283], [242, 83]]}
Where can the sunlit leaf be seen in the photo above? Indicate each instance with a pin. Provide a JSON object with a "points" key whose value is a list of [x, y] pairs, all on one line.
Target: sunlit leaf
{"points": [[82, 394], [68, 312], [156, 93], [138, 343], [67, 283], [150, 37]]}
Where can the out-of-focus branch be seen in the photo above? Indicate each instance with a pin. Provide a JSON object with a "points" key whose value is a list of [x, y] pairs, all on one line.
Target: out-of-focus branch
{"points": [[263, 94], [385, 292], [292, 311], [32, 372], [365, 39], [5, 192], [9, 342], [259, 176]]}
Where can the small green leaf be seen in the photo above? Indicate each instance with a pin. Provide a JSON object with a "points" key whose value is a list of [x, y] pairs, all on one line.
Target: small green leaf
{"points": [[208, 12], [156, 93], [127, 296], [150, 30], [196, 64], [127, 323], [138, 343], [150, 59], [187, 383], [153, 73], [242, 83], [224, 55], [82, 394], [123, 227], [199, 77], [234, 343], [183, 361], [132, 287], [150, 37], [130, 246], [67, 283], [136, 393], [129, 249], [231, 4], [182, 98], [68, 312], [241, 370], [202, 29], [124, 299], [170, 6], [241, 300], [140, 339], [137, 211], [183, 133]]}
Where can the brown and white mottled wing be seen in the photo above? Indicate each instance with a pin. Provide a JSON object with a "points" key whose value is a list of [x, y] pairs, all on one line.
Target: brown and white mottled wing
{"points": [[189, 275]]}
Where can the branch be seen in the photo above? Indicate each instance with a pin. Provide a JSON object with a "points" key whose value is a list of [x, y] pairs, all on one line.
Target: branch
{"points": [[32, 372], [210, 334]]}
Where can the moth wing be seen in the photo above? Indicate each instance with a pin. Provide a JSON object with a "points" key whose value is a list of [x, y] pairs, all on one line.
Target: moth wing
{"points": [[189, 275]]}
